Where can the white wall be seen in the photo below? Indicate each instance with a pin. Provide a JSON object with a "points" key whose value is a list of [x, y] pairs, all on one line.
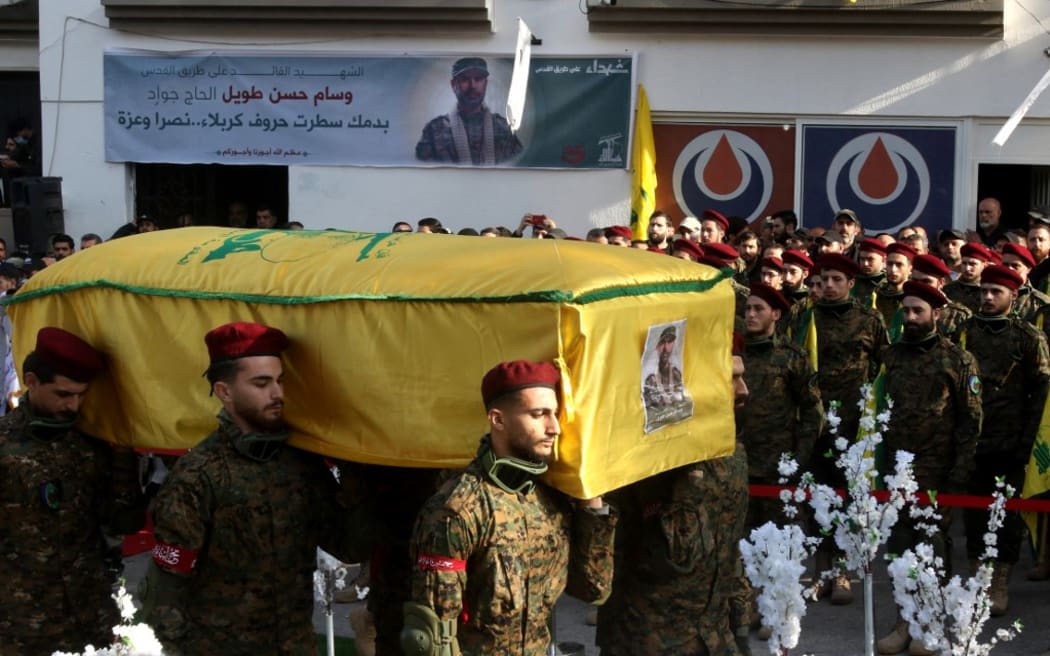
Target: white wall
{"points": [[710, 77]]}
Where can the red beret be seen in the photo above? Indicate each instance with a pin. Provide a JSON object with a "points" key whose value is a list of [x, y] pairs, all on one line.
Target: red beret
{"points": [[976, 251], [900, 248], [997, 274], [242, 339], [712, 215], [1021, 252], [798, 258], [739, 344], [720, 252], [775, 299], [619, 231], [772, 263], [68, 355], [931, 265], [507, 377], [838, 262], [928, 293], [997, 257], [688, 246], [872, 246]]}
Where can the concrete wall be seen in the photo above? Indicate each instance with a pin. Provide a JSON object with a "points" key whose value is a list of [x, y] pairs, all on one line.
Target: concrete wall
{"points": [[978, 82]]}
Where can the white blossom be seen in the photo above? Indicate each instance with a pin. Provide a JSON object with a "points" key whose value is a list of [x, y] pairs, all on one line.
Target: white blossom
{"points": [[774, 560], [129, 639], [950, 617]]}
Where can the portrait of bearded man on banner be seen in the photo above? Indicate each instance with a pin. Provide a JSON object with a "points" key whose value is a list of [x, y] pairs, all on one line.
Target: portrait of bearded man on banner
{"points": [[470, 134], [664, 392]]}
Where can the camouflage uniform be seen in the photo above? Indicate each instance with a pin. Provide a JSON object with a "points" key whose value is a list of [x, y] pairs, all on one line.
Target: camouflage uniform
{"points": [[437, 143], [964, 293], [498, 561], [953, 316], [252, 525], [1015, 373], [59, 491], [850, 339], [1028, 301], [887, 302], [677, 589], [796, 296], [864, 287], [936, 394], [659, 394], [742, 294], [783, 414]]}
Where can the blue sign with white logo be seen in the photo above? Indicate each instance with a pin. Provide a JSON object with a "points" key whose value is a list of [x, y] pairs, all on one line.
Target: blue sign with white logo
{"points": [[891, 176]]}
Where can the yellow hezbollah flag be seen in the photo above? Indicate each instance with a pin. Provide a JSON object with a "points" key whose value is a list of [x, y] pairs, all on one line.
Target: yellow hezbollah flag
{"points": [[391, 335], [1037, 474], [643, 164]]}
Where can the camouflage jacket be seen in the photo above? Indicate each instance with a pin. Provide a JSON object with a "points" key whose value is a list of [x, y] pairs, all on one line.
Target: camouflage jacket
{"points": [[796, 296], [677, 562], [850, 339], [953, 316], [437, 143], [60, 490], [1028, 302], [1015, 371], [783, 412], [888, 302], [498, 561], [242, 533], [936, 394], [864, 287], [965, 294]]}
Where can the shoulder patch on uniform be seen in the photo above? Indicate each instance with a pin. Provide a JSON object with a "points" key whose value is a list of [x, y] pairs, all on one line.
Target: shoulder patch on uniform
{"points": [[974, 384]]}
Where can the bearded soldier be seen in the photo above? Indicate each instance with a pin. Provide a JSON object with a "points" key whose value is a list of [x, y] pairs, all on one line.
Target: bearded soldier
{"points": [[936, 394], [239, 519]]}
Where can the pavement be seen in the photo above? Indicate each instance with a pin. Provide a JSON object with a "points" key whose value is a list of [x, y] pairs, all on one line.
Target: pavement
{"points": [[826, 630]]}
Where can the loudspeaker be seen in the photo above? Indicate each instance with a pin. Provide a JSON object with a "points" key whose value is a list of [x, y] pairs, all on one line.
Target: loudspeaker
{"points": [[36, 212]]}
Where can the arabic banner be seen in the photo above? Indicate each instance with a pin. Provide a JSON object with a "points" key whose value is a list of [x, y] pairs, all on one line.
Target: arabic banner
{"points": [[364, 313], [228, 108]]}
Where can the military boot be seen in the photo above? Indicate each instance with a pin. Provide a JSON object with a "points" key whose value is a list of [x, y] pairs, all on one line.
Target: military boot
{"points": [[998, 593], [841, 593], [896, 641]]}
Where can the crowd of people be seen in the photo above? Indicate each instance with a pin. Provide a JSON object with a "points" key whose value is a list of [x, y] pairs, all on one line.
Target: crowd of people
{"points": [[473, 561]]}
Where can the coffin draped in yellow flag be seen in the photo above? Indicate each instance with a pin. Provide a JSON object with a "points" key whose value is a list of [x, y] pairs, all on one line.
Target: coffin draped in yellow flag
{"points": [[391, 334]]}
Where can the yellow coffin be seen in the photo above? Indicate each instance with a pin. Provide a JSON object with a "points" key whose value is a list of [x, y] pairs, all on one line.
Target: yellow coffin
{"points": [[391, 334]]}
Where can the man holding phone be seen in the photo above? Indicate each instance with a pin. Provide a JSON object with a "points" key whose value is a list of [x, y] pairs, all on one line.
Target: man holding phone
{"points": [[541, 225]]}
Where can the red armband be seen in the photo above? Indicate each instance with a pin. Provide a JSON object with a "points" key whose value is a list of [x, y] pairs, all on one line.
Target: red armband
{"points": [[426, 562], [179, 560]]}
